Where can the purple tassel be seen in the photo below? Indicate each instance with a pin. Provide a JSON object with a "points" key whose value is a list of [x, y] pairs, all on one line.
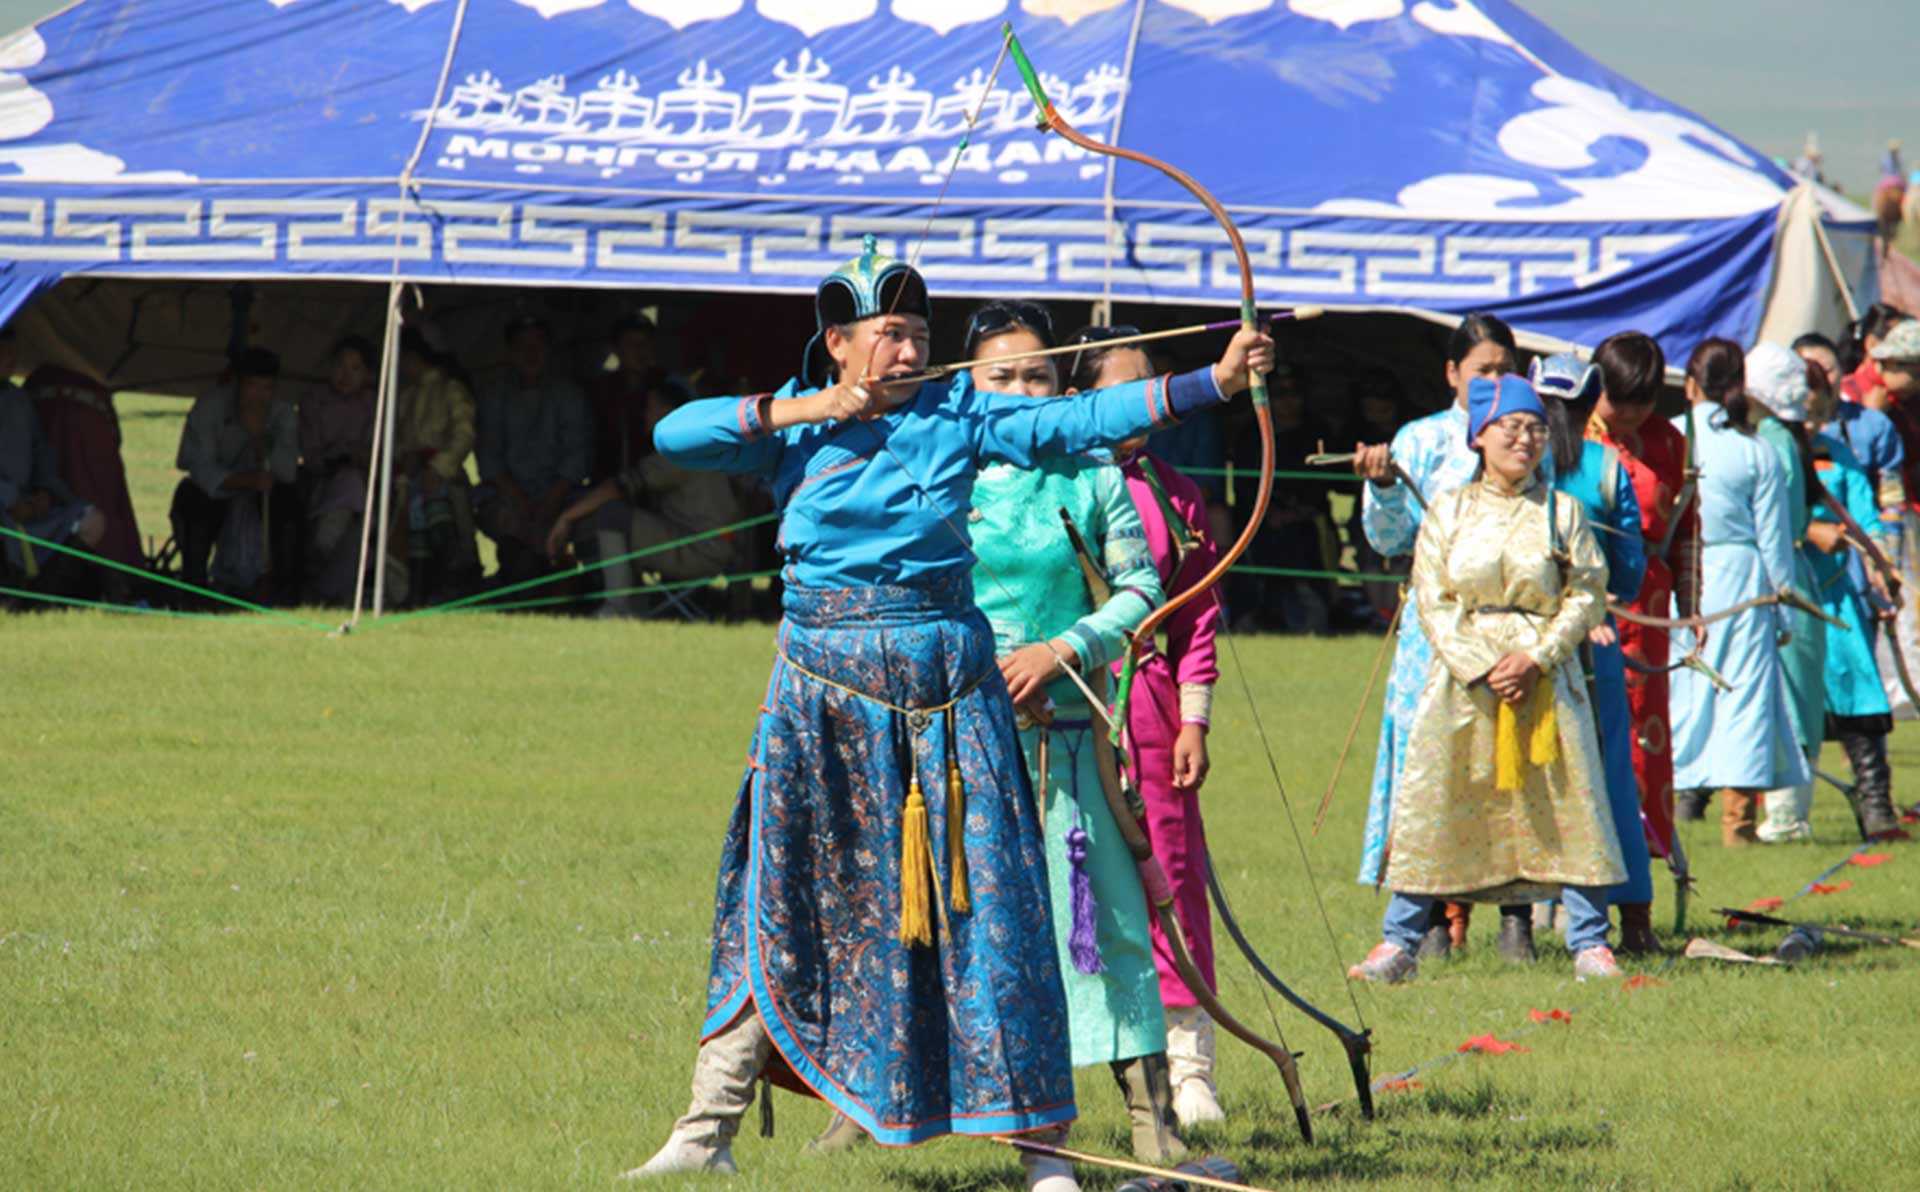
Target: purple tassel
{"points": [[1083, 944]]}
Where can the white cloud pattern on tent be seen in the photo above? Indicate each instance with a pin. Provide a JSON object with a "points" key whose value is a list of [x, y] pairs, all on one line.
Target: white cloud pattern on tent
{"points": [[25, 110], [1690, 170]]}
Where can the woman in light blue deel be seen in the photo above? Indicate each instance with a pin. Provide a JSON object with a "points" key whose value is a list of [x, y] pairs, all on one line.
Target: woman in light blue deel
{"points": [[1742, 741], [1777, 380], [1592, 473]]}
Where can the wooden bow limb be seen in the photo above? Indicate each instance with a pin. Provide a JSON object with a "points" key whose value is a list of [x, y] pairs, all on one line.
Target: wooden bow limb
{"points": [[1357, 1044], [1789, 597], [1174, 1178], [1160, 905], [1849, 792]]}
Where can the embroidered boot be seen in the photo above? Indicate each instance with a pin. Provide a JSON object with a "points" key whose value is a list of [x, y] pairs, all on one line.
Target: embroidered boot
{"points": [[1636, 929], [723, 1076], [1144, 1081], [1190, 1060], [1516, 934], [1738, 810], [1459, 918]]}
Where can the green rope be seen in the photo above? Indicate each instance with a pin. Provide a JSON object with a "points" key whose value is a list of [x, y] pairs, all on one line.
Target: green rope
{"points": [[104, 606], [1294, 573], [1250, 475], [711, 581], [573, 572], [169, 581]]}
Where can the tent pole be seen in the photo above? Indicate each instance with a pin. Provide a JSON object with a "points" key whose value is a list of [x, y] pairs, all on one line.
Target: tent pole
{"points": [[389, 353], [382, 415], [389, 367], [1833, 262]]}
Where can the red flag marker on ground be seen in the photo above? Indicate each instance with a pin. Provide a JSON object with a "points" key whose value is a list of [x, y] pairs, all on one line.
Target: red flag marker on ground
{"points": [[1835, 888], [1549, 1015], [1488, 1045], [1766, 904], [1866, 861], [1399, 1086], [1642, 981]]}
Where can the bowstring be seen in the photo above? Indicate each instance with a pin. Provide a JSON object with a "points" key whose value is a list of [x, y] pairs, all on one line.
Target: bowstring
{"points": [[1097, 705], [1293, 825]]}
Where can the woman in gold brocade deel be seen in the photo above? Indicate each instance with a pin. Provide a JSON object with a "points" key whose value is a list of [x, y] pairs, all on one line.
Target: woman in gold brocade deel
{"points": [[1503, 799]]}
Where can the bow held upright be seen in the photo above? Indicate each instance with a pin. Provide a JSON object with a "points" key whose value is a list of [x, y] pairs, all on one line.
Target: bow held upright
{"points": [[1153, 877]]}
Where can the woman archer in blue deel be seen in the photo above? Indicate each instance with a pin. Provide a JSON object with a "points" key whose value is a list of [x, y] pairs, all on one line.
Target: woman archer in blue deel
{"points": [[864, 951]]}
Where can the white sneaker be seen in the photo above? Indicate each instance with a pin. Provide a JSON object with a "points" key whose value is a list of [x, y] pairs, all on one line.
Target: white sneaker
{"points": [[1195, 1105], [685, 1153], [1596, 964], [1387, 964]]}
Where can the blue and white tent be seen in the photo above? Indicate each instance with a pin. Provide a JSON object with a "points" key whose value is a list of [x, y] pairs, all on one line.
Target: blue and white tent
{"points": [[1430, 157]]}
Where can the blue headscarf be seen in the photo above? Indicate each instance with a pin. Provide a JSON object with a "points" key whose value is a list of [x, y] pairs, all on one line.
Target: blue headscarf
{"points": [[1492, 398]]}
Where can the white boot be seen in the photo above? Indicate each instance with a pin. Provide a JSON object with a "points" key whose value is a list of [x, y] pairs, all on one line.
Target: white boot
{"points": [[1786, 816], [723, 1077], [1190, 1055], [617, 577], [1045, 1173]]}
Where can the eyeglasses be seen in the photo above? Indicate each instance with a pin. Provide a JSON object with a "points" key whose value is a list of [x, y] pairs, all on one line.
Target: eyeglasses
{"points": [[996, 317], [1518, 428]]}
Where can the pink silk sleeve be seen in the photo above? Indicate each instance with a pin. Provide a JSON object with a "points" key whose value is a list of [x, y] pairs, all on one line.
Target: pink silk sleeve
{"points": [[1191, 629]]}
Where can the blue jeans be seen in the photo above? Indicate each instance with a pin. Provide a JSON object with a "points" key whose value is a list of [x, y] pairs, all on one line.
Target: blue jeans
{"points": [[1407, 914]]}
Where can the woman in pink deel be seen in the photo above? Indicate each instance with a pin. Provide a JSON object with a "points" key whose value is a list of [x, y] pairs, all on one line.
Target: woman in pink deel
{"points": [[1167, 718]]}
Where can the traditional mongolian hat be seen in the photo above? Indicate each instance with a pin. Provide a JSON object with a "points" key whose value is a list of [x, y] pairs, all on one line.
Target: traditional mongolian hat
{"points": [[867, 287]]}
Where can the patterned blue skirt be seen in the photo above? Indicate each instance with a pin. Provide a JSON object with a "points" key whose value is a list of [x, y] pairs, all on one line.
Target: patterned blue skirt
{"points": [[967, 1034]]}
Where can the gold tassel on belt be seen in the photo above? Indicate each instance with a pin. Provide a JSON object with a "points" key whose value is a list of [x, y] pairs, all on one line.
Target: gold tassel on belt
{"points": [[916, 878], [956, 826]]}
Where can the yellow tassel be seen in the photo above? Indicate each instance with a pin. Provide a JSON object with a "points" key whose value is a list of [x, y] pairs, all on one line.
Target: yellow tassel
{"points": [[957, 840], [1510, 760], [1544, 747], [1509, 764], [916, 880]]}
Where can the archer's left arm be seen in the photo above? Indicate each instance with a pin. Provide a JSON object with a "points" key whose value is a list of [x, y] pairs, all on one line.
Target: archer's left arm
{"points": [[1101, 635], [1023, 430]]}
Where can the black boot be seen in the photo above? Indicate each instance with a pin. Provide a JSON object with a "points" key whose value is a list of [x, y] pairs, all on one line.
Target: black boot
{"points": [[1516, 934], [1873, 779], [1692, 804]]}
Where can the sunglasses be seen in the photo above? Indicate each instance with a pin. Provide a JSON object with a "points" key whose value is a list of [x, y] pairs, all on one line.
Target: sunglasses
{"points": [[996, 317]]}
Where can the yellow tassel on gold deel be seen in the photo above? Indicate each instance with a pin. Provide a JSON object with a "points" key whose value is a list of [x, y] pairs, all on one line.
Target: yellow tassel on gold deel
{"points": [[916, 877], [957, 840], [1542, 744]]}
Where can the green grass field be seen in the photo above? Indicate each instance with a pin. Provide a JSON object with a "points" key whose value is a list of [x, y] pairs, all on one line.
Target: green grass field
{"points": [[427, 906]]}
